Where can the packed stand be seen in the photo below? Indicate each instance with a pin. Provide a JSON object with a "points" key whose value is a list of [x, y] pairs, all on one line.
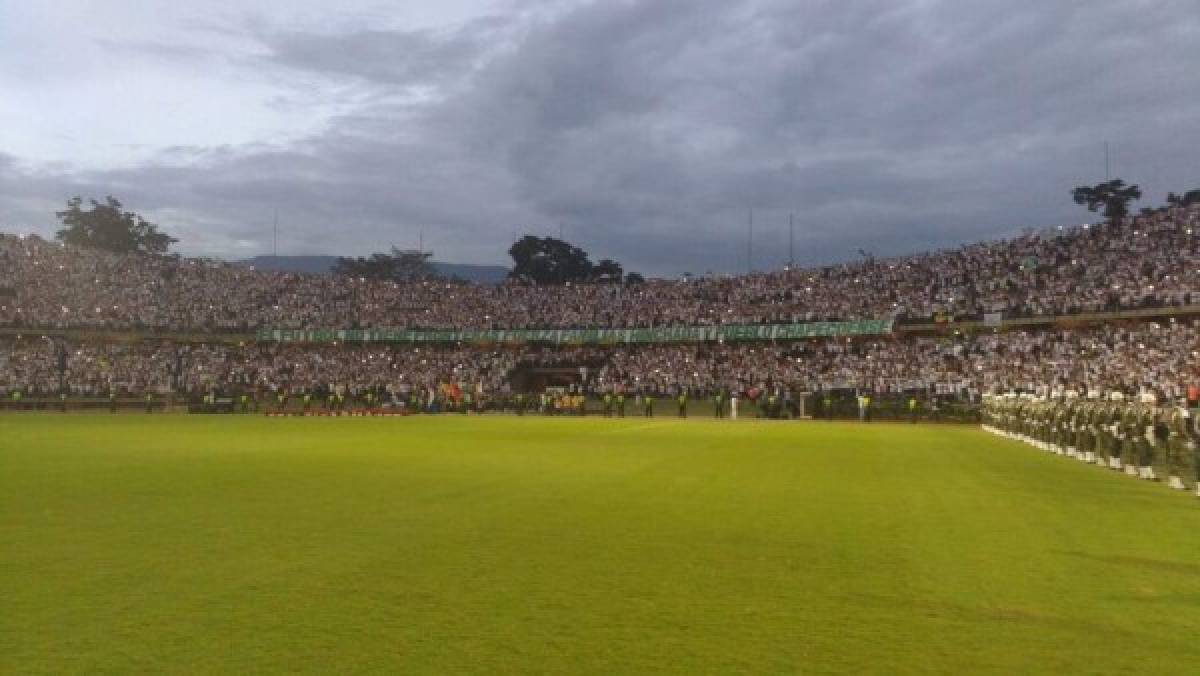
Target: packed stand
{"points": [[1155, 357], [1150, 260]]}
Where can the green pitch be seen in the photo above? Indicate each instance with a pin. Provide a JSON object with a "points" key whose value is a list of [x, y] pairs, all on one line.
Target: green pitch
{"points": [[441, 545]]}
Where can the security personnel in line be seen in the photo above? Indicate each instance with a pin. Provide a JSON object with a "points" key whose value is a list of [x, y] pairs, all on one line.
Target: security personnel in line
{"points": [[1145, 440], [912, 408], [682, 401], [620, 404], [864, 407], [648, 403], [719, 403]]}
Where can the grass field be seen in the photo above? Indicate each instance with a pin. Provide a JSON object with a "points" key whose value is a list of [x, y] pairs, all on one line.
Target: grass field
{"points": [[449, 544]]}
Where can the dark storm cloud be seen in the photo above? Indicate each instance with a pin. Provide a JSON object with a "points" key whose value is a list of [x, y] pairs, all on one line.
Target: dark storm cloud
{"points": [[388, 57], [649, 129]]}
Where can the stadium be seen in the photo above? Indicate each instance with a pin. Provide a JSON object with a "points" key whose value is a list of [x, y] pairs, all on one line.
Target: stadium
{"points": [[975, 458]]}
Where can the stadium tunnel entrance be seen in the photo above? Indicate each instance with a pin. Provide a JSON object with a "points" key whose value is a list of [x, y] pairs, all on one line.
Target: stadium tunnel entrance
{"points": [[537, 379]]}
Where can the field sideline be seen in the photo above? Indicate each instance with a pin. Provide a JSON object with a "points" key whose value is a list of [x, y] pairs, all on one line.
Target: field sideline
{"points": [[448, 544]]}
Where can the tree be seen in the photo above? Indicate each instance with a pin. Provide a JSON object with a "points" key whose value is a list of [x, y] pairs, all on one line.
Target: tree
{"points": [[1114, 196], [546, 260], [607, 271], [1187, 199], [396, 266], [634, 278], [549, 261], [106, 226]]}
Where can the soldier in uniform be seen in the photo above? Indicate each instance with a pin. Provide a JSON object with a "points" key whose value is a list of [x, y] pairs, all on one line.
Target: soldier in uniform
{"points": [[1129, 434], [1159, 433], [1146, 446], [1060, 414], [1111, 430], [1180, 448], [1041, 425], [1085, 434]]}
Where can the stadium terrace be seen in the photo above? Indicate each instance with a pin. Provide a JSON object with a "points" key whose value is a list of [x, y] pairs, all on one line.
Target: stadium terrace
{"points": [[1151, 260], [1091, 309]]}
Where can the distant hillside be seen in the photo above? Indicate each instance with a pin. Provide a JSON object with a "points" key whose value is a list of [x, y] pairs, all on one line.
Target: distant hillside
{"points": [[321, 265]]}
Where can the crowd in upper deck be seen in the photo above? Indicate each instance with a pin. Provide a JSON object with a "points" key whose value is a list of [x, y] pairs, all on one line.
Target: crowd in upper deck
{"points": [[1151, 259]]}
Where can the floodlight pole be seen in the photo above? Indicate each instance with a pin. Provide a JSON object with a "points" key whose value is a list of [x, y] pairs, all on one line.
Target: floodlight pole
{"points": [[750, 243], [791, 240]]}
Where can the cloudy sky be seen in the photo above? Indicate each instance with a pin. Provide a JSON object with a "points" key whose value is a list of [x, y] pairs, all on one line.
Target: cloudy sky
{"points": [[646, 130]]}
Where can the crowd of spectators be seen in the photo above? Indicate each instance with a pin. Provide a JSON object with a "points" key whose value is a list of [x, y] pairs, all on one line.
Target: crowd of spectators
{"points": [[46, 367], [1148, 260], [1135, 358]]}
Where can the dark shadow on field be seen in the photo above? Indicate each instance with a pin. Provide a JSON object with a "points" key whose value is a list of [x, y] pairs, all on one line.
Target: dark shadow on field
{"points": [[1155, 565]]}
